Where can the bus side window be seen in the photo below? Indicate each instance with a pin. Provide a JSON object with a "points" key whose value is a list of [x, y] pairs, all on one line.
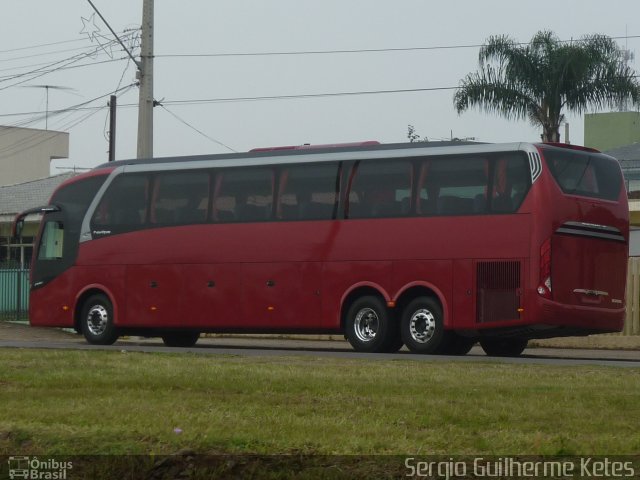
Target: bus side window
{"points": [[244, 195], [180, 198], [381, 189], [453, 185], [123, 207], [308, 192], [510, 183]]}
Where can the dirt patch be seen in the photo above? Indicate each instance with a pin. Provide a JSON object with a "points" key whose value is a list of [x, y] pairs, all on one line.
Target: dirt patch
{"points": [[20, 331], [603, 342]]}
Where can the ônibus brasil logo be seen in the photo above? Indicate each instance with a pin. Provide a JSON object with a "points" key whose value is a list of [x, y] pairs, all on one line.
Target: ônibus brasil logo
{"points": [[32, 468]]}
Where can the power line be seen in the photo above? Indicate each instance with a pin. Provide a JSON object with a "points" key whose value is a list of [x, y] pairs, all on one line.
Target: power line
{"points": [[304, 95], [195, 129], [42, 45], [38, 116], [250, 99], [13, 59], [128, 34], [37, 138], [41, 71], [347, 51]]}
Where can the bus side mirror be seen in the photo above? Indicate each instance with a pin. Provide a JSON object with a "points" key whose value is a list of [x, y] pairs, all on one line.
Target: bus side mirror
{"points": [[18, 228], [18, 222]]}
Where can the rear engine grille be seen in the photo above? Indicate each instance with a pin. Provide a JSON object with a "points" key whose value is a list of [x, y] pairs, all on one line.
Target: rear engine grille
{"points": [[498, 291]]}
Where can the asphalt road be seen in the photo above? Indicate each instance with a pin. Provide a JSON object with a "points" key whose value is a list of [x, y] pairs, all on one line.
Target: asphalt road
{"points": [[25, 337]]}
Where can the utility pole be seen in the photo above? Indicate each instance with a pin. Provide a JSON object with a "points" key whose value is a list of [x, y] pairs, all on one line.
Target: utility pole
{"points": [[112, 127], [145, 76]]}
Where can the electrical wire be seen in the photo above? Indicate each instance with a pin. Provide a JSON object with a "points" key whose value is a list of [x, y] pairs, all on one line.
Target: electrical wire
{"points": [[181, 120], [348, 51], [37, 138], [203, 101]]}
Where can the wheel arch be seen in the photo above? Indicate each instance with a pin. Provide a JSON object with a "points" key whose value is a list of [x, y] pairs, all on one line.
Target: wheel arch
{"points": [[86, 292], [357, 291]]}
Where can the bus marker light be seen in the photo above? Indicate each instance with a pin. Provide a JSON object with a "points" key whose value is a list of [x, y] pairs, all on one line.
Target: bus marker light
{"points": [[270, 308], [65, 308], [153, 309], [391, 304], [520, 310]]}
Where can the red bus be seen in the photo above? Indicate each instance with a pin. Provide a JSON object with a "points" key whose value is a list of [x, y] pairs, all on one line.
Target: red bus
{"points": [[434, 246]]}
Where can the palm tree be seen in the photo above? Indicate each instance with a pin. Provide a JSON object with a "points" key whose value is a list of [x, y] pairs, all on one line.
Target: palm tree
{"points": [[540, 80]]}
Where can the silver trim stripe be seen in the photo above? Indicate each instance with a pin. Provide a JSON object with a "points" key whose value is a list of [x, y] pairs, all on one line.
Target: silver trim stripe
{"points": [[535, 164], [592, 230]]}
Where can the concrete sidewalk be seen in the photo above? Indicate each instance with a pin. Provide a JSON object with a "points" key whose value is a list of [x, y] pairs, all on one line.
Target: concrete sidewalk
{"points": [[597, 346]]}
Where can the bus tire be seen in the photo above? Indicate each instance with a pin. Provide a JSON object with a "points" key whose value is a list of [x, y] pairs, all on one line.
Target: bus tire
{"points": [[503, 347], [422, 326], [180, 339], [97, 322], [368, 326]]}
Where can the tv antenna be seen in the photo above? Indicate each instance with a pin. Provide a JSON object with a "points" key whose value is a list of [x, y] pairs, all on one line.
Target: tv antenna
{"points": [[47, 88]]}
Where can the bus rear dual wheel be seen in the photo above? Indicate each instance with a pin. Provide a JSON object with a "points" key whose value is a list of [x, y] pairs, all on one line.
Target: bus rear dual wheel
{"points": [[371, 328], [422, 330]]}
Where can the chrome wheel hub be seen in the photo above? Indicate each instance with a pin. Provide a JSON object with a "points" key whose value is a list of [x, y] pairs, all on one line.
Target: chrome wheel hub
{"points": [[366, 325], [97, 319], [422, 325]]}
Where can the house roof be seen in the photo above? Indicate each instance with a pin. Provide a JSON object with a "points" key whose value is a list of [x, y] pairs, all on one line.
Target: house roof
{"points": [[628, 156], [22, 196]]}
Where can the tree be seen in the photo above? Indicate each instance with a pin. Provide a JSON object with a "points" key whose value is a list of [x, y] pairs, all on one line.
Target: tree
{"points": [[413, 136], [541, 79]]}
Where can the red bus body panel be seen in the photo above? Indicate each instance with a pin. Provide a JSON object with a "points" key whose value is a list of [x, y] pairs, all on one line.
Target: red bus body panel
{"points": [[296, 275]]}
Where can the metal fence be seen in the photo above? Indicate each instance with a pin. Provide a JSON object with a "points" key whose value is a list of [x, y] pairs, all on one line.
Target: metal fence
{"points": [[14, 293]]}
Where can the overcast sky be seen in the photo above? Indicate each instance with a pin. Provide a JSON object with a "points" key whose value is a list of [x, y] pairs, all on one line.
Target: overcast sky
{"points": [[37, 33]]}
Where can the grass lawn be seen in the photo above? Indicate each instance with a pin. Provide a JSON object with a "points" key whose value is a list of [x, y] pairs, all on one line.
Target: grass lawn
{"points": [[96, 402]]}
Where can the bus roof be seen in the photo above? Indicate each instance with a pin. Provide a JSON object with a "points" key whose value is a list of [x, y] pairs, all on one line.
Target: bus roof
{"points": [[332, 152], [266, 152]]}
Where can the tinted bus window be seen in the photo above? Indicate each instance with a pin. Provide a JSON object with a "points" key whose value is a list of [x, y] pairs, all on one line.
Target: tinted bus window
{"points": [[308, 192], [453, 186], [243, 195], [380, 189], [75, 198], [180, 198], [583, 173], [123, 207], [510, 183]]}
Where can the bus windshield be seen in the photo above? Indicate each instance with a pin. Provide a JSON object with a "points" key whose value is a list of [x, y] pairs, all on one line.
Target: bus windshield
{"points": [[58, 243]]}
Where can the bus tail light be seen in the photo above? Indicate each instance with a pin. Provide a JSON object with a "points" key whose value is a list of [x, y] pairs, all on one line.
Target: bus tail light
{"points": [[544, 287]]}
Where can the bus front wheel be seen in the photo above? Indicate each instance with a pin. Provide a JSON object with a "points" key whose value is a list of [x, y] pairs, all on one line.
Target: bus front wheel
{"points": [[503, 347], [369, 327], [180, 339], [422, 326], [96, 322]]}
